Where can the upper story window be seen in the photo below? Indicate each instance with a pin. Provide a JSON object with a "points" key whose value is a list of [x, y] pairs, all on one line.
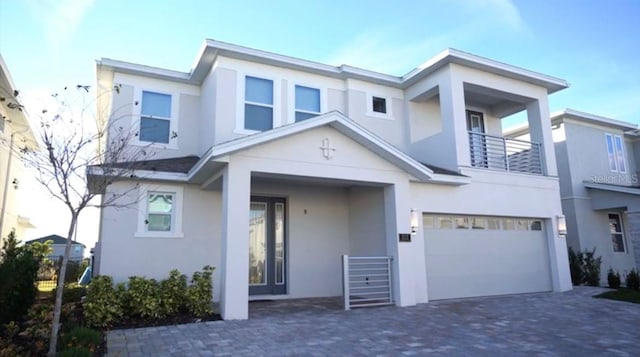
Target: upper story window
{"points": [[379, 105], [258, 104], [307, 102], [155, 117], [615, 152]]}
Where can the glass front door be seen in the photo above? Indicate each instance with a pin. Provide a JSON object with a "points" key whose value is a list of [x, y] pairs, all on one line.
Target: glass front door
{"points": [[267, 248]]}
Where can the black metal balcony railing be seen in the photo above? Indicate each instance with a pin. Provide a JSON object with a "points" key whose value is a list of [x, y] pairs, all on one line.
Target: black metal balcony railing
{"points": [[499, 153]]}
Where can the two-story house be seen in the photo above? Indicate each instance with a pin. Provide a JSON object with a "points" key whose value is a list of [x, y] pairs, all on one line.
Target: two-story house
{"points": [[15, 134], [598, 170], [270, 168]]}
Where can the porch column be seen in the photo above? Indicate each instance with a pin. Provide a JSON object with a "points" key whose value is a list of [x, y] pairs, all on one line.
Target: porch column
{"points": [[236, 193], [540, 131], [454, 119], [558, 258], [407, 266], [633, 220]]}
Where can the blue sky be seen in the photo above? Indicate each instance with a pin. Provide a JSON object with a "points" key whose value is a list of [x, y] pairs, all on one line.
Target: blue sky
{"points": [[593, 44]]}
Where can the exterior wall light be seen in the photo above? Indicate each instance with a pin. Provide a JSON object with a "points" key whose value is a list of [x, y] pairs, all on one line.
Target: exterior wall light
{"points": [[562, 225], [415, 221]]}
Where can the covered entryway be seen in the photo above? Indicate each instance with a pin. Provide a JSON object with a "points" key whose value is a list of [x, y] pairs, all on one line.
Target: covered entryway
{"points": [[479, 256]]}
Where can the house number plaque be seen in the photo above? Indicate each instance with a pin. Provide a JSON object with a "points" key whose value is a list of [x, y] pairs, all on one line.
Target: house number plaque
{"points": [[404, 237]]}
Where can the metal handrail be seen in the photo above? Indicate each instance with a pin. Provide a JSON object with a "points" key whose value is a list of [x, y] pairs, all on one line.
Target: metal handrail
{"points": [[506, 154]]}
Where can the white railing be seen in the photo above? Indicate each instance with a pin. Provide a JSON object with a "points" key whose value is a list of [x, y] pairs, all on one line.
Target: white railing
{"points": [[499, 153], [366, 281]]}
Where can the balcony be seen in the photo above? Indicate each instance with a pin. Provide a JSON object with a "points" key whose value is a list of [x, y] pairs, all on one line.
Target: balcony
{"points": [[505, 154]]}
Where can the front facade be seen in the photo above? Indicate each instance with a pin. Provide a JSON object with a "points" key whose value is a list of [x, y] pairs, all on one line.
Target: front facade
{"points": [[598, 169], [271, 168], [15, 133]]}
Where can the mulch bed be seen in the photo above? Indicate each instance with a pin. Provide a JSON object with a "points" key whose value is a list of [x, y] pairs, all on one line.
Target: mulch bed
{"points": [[179, 319]]}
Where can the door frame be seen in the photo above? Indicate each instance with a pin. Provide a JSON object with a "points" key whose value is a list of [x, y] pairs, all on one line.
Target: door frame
{"points": [[478, 149], [272, 287]]}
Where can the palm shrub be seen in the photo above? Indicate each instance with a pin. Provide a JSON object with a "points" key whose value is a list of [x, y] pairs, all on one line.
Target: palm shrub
{"points": [[613, 278], [633, 280], [200, 293], [576, 261], [591, 268]]}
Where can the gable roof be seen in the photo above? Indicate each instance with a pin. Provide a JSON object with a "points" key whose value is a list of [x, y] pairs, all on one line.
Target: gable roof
{"points": [[55, 238], [211, 49], [343, 125]]}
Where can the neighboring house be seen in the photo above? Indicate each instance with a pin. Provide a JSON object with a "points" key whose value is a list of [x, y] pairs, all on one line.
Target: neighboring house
{"points": [[598, 168], [281, 165], [15, 133], [58, 245]]}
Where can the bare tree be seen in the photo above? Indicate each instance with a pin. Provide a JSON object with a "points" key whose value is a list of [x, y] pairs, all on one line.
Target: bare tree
{"points": [[74, 143]]}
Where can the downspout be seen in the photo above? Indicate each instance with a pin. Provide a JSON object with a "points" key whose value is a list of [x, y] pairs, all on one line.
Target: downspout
{"points": [[5, 190]]}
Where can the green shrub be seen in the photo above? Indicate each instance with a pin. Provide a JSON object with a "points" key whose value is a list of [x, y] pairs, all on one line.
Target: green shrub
{"points": [[144, 297], [613, 278], [71, 294], [122, 299], [18, 274], [81, 337], [576, 261], [633, 280], [101, 307], [200, 293], [173, 292], [591, 268]]}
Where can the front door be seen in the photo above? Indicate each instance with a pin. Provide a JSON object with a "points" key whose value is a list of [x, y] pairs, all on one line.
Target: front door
{"points": [[267, 248], [475, 126]]}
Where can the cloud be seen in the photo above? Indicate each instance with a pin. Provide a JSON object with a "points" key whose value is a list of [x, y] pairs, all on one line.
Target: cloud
{"points": [[384, 50], [60, 19]]}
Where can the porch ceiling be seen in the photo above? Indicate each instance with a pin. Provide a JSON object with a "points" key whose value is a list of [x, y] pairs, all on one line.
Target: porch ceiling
{"points": [[501, 103]]}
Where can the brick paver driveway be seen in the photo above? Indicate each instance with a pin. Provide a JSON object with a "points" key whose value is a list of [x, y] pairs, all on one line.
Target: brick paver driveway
{"points": [[571, 324]]}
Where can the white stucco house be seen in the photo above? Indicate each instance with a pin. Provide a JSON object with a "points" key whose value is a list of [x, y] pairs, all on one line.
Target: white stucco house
{"points": [[599, 184], [15, 133], [281, 165]]}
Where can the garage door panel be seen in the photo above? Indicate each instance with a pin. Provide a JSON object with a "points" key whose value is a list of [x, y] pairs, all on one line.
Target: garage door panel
{"points": [[467, 262]]}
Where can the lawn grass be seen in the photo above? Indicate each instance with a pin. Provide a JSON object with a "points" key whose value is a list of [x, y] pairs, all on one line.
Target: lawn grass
{"points": [[46, 286], [621, 295]]}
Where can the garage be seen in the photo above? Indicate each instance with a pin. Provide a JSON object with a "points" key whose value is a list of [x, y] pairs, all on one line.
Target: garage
{"points": [[480, 256]]}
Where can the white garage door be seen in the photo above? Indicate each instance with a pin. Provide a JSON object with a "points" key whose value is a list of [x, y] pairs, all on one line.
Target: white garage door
{"points": [[480, 256]]}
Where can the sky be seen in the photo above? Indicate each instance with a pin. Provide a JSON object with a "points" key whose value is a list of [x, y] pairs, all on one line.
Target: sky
{"points": [[593, 44]]}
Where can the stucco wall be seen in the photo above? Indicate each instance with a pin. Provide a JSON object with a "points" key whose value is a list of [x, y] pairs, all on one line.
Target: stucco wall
{"points": [[366, 221]]}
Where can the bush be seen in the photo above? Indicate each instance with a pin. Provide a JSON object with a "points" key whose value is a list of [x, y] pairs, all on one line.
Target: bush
{"points": [[633, 280], [144, 297], [101, 307], [613, 278], [591, 268], [72, 294], [173, 292], [81, 338], [18, 274], [200, 294], [576, 260]]}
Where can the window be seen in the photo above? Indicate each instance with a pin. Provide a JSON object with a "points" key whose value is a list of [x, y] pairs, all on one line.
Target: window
{"points": [[615, 228], [307, 102], [428, 222], [462, 222], [536, 225], [155, 117], [478, 223], [258, 106], [159, 211], [481, 223], [379, 105], [615, 152]]}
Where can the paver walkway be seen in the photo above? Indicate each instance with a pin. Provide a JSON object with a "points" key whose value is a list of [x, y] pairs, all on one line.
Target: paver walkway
{"points": [[569, 324]]}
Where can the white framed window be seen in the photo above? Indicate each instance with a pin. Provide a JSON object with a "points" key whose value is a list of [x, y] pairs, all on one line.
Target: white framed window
{"points": [[616, 231], [379, 106], [156, 116], [160, 211], [258, 104], [307, 102], [615, 153]]}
